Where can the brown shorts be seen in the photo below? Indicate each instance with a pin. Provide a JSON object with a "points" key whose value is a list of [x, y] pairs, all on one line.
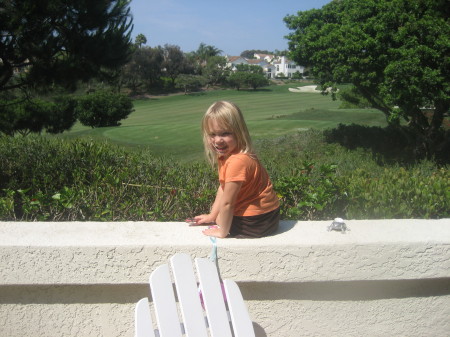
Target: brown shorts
{"points": [[255, 226]]}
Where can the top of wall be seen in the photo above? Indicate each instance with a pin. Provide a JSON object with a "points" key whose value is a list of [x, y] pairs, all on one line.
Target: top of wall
{"points": [[179, 233], [51, 253]]}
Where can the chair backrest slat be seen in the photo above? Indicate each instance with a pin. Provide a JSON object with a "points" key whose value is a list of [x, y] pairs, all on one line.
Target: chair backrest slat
{"points": [[240, 319], [206, 307], [188, 296], [164, 302], [213, 298], [143, 324]]}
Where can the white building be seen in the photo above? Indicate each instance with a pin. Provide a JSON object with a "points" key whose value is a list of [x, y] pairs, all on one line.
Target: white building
{"points": [[287, 67], [233, 61], [273, 66]]}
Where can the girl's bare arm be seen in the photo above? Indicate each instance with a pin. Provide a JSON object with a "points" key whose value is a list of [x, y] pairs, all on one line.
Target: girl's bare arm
{"points": [[210, 218], [225, 207]]}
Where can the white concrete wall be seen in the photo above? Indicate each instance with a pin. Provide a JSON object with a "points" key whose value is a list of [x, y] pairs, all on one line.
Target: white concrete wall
{"points": [[382, 278]]}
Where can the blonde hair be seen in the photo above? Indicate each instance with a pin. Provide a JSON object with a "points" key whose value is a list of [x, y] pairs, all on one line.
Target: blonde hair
{"points": [[229, 116]]}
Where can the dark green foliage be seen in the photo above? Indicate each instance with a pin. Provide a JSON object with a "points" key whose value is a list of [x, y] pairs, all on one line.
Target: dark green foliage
{"points": [[42, 179], [190, 82], [391, 144], [257, 81], [238, 80], [250, 68], [140, 40], [144, 70], [216, 70], [246, 79], [351, 99], [103, 108], [55, 41], [419, 192], [395, 53], [175, 62], [56, 180], [250, 54], [316, 180], [34, 115]]}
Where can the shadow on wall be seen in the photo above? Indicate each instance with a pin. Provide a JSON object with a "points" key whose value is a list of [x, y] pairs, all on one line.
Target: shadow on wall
{"points": [[259, 331], [363, 290], [285, 226]]}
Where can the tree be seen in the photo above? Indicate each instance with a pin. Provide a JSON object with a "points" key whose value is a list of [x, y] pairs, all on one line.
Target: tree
{"points": [[395, 52], [250, 68], [238, 79], [175, 62], [144, 68], [36, 115], [241, 79], [189, 82], [103, 108], [61, 41], [205, 51], [257, 80], [250, 54], [215, 70], [297, 75], [140, 40]]}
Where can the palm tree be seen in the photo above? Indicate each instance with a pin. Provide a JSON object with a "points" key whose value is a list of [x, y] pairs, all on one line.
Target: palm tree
{"points": [[140, 40], [205, 51]]}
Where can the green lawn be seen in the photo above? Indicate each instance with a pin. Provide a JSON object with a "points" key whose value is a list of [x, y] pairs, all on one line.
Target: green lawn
{"points": [[171, 124]]}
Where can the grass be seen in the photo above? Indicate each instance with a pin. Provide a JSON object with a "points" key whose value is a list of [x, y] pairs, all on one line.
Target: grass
{"points": [[170, 125]]}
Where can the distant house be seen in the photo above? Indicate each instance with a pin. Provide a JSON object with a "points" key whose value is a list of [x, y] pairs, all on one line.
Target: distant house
{"points": [[287, 67], [233, 61], [273, 66], [268, 57]]}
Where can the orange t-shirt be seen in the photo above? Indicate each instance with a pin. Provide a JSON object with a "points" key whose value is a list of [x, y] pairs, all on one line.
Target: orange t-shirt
{"points": [[256, 195]]}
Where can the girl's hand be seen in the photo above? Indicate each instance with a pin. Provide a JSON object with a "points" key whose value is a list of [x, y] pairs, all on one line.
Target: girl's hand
{"points": [[215, 231], [201, 220]]}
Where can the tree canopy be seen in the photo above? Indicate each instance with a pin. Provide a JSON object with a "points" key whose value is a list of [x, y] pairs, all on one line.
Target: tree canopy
{"points": [[395, 52], [61, 41], [205, 51], [140, 40], [250, 54]]}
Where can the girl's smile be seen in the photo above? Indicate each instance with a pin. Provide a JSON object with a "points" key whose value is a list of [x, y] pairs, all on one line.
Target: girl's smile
{"points": [[223, 141]]}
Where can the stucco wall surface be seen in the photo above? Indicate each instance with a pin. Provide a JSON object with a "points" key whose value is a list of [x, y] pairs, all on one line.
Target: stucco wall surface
{"points": [[383, 277]]}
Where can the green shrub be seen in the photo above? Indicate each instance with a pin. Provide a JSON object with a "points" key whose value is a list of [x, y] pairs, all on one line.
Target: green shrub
{"points": [[26, 116], [59, 180], [397, 193], [103, 108], [309, 193], [43, 179], [318, 180]]}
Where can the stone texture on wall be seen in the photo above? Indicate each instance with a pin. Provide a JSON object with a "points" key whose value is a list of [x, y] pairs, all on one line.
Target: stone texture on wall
{"points": [[383, 277]]}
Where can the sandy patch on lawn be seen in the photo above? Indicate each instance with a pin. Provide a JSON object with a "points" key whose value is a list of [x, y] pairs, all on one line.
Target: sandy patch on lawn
{"points": [[306, 88]]}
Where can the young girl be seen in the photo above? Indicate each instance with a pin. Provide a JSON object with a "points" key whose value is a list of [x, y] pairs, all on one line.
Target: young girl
{"points": [[245, 204]]}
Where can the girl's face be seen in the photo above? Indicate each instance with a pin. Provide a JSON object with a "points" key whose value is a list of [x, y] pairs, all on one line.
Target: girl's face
{"points": [[223, 141]]}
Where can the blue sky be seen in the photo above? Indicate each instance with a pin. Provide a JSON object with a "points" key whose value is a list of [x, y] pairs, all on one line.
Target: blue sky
{"points": [[231, 26]]}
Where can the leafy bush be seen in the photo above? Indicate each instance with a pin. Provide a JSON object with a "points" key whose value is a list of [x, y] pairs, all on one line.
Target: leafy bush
{"points": [[43, 179], [397, 193], [103, 108], [59, 180], [318, 180], [189, 82], [309, 193], [391, 144], [26, 116], [246, 79]]}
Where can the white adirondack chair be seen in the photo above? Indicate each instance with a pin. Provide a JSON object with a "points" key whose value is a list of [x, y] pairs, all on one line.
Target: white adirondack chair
{"points": [[214, 320]]}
